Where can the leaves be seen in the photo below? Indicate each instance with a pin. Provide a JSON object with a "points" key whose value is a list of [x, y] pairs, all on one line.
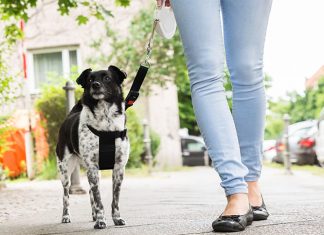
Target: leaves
{"points": [[123, 3], [300, 107], [82, 19]]}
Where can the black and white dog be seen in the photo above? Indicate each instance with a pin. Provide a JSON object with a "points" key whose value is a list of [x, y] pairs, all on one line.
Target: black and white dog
{"points": [[102, 109]]}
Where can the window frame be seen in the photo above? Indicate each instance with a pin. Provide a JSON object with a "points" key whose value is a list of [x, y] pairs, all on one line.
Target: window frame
{"points": [[64, 50]]}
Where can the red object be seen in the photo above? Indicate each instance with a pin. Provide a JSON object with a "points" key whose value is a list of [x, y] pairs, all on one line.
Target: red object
{"points": [[24, 58], [280, 147], [131, 102], [307, 142], [14, 160]]}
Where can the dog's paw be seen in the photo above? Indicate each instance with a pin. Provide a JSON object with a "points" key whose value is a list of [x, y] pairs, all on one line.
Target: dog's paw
{"points": [[66, 219], [119, 221], [100, 224]]}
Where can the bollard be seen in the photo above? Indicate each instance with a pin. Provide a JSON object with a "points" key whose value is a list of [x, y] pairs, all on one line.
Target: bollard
{"points": [[286, 155], [147, 145], [75, 187]]}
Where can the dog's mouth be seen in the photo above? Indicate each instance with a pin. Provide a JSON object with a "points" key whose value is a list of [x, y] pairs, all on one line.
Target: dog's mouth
{"points": [[100, 94]]}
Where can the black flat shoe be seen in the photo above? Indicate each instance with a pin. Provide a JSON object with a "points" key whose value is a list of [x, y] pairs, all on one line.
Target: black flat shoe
{"points": [[233, 223], [260, 212]]}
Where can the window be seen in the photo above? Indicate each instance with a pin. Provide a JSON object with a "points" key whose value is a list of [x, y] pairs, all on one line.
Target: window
{"points": [[45, 64], [42, 64], [193, 145]]}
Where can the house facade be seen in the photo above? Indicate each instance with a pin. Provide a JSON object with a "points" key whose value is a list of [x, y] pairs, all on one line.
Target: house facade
{"points": [[57, 44]]}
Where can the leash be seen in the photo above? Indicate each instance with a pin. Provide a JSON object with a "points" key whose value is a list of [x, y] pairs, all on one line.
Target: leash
{"points": [[141, 72]]}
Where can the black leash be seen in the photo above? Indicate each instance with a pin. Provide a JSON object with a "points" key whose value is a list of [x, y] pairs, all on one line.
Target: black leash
{"points": [[141, 73]]}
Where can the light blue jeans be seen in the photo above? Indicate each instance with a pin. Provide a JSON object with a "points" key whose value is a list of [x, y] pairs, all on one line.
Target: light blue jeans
{"points": [[207, 27]]}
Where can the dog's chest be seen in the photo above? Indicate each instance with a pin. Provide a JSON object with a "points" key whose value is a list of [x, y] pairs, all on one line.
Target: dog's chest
{"points": [[104, 118]]}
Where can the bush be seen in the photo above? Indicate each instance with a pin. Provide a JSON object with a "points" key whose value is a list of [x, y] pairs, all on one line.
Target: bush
{"points": [[135, 134], [4, 144], [51, 104]]}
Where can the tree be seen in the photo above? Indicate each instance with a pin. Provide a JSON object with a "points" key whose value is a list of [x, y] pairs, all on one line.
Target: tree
{"points": [[300, 107]]}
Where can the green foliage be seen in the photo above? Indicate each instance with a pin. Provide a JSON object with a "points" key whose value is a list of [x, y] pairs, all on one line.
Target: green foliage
{"points": [[4, 144], [49, 169], [135, 134], [52, 105], [7, 88], [300, 107], [155, 142]]}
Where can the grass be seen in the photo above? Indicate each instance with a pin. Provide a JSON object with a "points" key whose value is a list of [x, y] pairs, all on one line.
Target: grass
{"points": [[319, 171]]}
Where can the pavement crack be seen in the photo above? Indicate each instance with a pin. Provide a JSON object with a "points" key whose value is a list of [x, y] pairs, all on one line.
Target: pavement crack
{"points": [[289, 222]]}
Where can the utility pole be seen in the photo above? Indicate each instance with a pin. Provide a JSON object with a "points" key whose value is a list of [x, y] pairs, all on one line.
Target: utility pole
{"points": [[75, 187], [147, 144], [286, 153]]}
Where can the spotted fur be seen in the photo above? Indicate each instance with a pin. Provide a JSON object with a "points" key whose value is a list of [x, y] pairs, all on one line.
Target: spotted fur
{"points": [[103, 108]]}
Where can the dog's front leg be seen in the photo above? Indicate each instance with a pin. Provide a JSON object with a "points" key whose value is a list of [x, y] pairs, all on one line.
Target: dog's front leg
{"points": [[93, 178], [118, 176]]}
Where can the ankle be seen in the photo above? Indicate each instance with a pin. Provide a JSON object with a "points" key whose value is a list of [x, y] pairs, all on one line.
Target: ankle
{"points": [[254, 193], [237, 204]]}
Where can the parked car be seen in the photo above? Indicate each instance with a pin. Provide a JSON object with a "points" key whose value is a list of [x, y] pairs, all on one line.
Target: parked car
{"points": [[319, 149], [301, 139], [194, 151]]}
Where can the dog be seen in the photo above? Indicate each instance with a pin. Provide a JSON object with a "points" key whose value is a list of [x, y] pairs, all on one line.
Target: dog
{"points": [[102, 109]]}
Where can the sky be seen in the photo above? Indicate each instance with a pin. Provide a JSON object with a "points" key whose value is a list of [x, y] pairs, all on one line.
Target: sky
{"points": [[294, 48]]}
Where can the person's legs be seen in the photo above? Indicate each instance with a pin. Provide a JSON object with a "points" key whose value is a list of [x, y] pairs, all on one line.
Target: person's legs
{"points": [[201, 33], [245, 25]]}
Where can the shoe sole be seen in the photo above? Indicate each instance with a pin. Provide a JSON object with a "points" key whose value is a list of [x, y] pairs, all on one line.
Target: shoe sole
{"points": [[260, 217]]}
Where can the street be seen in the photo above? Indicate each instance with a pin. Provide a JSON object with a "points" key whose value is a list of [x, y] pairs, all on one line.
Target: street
{"points": [[181, 202]]}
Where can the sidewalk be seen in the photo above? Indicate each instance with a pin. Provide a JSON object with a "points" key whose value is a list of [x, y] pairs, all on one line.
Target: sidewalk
{"points": [[184, 202]]}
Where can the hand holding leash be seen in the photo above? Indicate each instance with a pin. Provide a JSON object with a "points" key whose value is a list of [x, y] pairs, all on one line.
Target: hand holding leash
{"points": [[159, 3]]}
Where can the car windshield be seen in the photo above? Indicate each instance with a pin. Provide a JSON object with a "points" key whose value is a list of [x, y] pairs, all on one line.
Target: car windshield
{"points": [[193, 145]]}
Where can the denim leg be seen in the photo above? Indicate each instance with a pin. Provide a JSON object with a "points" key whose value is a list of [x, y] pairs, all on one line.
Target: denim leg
{"points": [[245, 24], [200, 28]]}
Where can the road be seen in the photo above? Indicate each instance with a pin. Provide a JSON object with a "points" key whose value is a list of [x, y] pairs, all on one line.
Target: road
{"points": [[182, 202]]}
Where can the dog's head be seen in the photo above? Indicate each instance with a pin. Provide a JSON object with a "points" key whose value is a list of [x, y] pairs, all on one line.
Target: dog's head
{"points": [[102, 84]]}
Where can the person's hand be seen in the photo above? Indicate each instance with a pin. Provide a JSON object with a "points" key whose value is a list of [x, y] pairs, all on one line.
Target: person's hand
{"points": [[166, 2]]}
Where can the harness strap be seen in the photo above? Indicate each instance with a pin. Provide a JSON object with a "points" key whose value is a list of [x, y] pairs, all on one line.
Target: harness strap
{"points": [[134, 91], [108, 134]]}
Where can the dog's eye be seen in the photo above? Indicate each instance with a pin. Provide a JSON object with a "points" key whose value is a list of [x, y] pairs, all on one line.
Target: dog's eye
{"points": [[108, 79]]}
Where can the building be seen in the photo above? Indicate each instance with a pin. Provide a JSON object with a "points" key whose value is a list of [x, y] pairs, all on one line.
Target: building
{"points": [[55, 43]]}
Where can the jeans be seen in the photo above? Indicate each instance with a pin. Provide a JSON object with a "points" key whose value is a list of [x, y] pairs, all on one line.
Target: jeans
{"points": [[211, 30]]}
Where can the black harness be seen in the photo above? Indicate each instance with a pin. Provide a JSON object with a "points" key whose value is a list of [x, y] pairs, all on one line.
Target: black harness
{"points": [[107, 147]]}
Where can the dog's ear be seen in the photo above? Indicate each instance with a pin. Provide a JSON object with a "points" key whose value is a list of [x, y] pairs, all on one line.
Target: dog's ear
{"points": [[82, 79], [118, 74]]}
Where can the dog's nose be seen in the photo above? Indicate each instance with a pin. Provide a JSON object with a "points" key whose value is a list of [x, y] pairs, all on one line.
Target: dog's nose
{"points": [[95, 85]]}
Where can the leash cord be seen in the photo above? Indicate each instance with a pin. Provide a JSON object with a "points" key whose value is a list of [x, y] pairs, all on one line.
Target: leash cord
{"points": [[150, 43]]}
